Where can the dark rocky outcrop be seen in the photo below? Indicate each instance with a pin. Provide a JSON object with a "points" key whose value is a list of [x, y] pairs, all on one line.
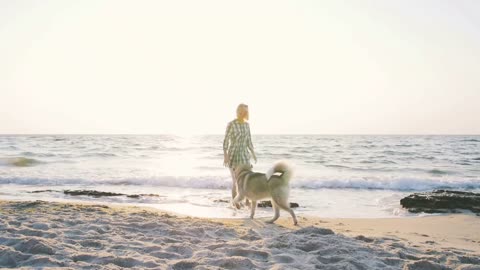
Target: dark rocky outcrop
{"points": [[41, 191], [136, 196], [221, 201], [442, 201], [93, 193], [269, 204], [97, 194]]}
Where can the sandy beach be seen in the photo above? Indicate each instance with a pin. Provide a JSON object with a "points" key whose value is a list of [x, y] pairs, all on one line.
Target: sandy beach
{"points": [[72, 235], [130, 131]]}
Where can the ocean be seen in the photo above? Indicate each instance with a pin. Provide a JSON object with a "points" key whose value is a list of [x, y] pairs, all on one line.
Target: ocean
{"points": [[335, 175]]}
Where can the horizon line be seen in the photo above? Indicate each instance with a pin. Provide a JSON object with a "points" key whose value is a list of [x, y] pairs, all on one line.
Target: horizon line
{"points": [[256, 134]]}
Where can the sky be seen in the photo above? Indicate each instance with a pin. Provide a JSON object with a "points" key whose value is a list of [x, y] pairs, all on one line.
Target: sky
{"points": [[182, 67]]}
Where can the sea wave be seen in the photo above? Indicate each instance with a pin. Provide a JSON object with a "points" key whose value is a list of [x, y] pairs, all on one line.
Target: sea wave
{"points": [[470, 140], [19, 162], [439, 172], [219, 182], [397, 184]]}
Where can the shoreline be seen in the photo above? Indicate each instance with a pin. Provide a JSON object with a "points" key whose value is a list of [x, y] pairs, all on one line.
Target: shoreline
{"points": [[85, 235], [214, 203]]}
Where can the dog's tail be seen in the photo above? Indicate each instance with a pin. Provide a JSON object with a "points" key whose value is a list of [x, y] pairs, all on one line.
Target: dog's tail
{"points": [[282, 167]]}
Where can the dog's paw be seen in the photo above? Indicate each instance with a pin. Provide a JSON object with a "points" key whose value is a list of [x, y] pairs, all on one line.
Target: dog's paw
{"points": [[270, 221], [237, 205]]}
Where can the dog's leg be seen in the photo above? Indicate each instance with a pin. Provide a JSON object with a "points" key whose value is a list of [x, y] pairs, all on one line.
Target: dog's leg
{"points": [[253, 206], [285, 206], [277, 212], [234, 190], [237, 200]]}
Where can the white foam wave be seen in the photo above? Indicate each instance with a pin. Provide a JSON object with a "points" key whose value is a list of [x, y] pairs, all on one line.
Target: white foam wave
{"points": [[211, 182], [218, 182], [398, 184]]}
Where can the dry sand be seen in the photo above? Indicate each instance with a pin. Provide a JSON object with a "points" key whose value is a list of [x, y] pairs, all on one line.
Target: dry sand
{"points": [[44, 234]]}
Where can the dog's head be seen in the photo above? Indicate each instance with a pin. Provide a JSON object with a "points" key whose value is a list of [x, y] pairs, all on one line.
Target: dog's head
{"points": [[241, 169]]}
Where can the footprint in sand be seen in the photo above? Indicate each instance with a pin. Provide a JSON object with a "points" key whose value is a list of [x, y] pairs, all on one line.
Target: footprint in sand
{"points": [[91, 243], [34, 246], [43, 261], [40, 226], [10, 257], [234, 263], [165, 255], [184, 265], [180, 249], [283, 259], [249, 253], [29, 232]]}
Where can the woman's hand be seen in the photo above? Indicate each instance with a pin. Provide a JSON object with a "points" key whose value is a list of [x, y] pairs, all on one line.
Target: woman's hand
{"points": [[254, 158], [226, 160]]}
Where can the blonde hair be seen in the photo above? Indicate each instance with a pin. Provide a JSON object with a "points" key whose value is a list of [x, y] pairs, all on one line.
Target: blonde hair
{"points": [[240, 108]]}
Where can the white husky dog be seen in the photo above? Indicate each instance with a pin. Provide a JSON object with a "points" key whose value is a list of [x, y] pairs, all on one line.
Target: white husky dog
{"points": [[256, 186]]}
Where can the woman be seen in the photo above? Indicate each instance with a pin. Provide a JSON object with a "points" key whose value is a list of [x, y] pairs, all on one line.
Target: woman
{"points": [[237, 144]]}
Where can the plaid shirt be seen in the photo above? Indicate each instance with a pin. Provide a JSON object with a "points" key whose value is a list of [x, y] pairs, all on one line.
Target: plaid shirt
{"points": [[237, 142]]}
